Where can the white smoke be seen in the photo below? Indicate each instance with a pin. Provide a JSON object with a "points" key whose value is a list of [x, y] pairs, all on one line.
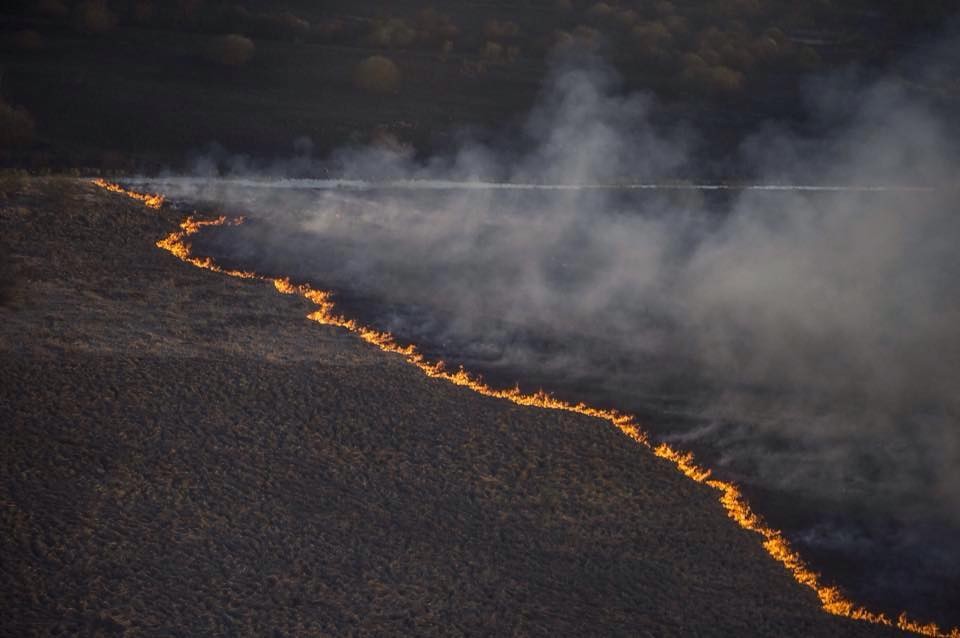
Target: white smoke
{"points": [[807, 327]]}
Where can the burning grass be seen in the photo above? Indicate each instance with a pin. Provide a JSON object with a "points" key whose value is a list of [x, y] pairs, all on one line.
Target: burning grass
{"points": [[737, 508]]}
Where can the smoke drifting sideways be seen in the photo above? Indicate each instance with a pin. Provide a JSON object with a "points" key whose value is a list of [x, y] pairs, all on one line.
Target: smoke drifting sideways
{"points": [[811, 338]]}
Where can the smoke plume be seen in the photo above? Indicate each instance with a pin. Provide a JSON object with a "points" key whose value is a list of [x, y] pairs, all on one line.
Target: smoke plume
{"points": [[810, 337]]}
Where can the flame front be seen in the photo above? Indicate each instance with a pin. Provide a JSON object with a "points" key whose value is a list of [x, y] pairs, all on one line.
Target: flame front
{"points": [[775, 543], [148, 199]]}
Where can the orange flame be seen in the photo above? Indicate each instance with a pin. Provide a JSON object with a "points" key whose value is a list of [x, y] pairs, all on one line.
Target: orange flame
{"points": [[149, 200], [832, 600]]}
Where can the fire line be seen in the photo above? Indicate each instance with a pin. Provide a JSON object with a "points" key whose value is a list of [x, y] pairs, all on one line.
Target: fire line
{"points": [[832, 600]]}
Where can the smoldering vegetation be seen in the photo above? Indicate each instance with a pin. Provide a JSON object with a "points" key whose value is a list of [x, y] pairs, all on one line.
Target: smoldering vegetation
{"points": [[806, 342]]}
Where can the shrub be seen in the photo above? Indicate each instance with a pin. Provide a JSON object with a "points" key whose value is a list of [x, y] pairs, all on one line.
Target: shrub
{"points": [[582, 38], [723, 79], [143, 11], [664, 8], [765, 49], [26, 40], [677, 25], [626, 18], [652, 43], [435, 28], [497, 30], [391, 33], [430, 28], [651, 35], [708, 55], [186, 10], [280, 26], [611, 16], [291, 26], [711, 38], [600, 11], [446, 49], [230, 50], [492, 51], [335, 31], [707, 78], [377, 74], [736, 56], [94, 16], [472, 69], [807, 59], [16, 126], [54, 9], [386, 140]]}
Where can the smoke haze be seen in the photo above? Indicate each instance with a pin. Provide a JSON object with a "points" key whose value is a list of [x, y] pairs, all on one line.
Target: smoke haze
{"points": [[809, 340]]}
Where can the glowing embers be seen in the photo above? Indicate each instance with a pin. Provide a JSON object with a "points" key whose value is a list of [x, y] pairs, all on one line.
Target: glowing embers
{"points": [[774, 542]]}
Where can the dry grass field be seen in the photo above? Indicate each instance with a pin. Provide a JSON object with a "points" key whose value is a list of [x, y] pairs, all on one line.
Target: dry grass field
{"points": [[184, 454]]}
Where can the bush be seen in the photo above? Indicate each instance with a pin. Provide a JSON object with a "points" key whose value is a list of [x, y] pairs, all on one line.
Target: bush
{"points": [[705, 77], [26, 40], [677, 25], [289, 25], [664, 8], [736, 56], [446, 49], [94, 16], [806, 59], [391, 33], [612, 16], [492, 51], [473, 69], [436, 28], [377, 74], [280, 26], [429, 28], [651, 35], [723, 79], [143, 11], [53, 9], [386, 140], [765, 50], [335, 31], [186, 11], [652, 43], [600, 11], [230, 50], [497, 30], [582, 38], [16, 126]]}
